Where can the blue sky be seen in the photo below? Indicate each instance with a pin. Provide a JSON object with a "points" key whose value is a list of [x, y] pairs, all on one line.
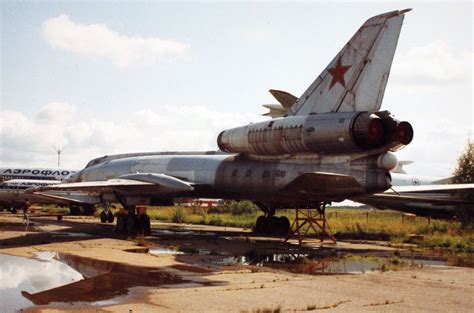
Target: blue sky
{"points": [[170, 76]]}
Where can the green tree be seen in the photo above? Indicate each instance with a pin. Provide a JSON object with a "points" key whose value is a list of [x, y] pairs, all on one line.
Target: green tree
{"points": [[464, 174]]}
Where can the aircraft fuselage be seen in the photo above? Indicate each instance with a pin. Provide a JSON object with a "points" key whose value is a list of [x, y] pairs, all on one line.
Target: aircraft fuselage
{"points": [[234, 176]]}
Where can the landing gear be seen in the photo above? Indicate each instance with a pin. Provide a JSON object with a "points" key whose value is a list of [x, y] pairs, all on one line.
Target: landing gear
{"points": [[269, 224], [88, 209], [106, 216], [138, 225], [121, 226], [144, 226], [272, 225], [132, 220]]}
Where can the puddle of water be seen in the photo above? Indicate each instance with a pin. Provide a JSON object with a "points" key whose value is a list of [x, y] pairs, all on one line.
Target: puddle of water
{"points": [[156, 251], [161, 251], [106, 282], [68, 234], [32, 275], [311, 264], [158, 232]]}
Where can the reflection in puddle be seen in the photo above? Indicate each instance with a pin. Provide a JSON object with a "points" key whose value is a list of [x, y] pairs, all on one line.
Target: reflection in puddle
{"points": [[31, 275], [176, 232], [311, 264], [67, 234], [160, 251], [156, 251], [105, 281]]}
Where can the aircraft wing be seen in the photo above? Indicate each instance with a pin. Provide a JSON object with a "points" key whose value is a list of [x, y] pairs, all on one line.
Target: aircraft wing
{"points": [[140, 183], [69, 198], [325, 184], [431, 200]]}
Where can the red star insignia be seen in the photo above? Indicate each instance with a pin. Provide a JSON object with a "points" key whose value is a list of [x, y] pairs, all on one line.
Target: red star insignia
{"points": [[337, 73]]}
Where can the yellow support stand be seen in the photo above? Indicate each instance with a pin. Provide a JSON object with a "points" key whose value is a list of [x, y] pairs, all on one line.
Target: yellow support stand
{"points": [[314, 219]]}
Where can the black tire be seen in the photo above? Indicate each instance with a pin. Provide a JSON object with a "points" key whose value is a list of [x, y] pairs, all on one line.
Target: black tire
{"points": [[260, 224], [284, 225], [88, 209], [74, 210], [132, 224], [103, 217], [121, 223], [110, 217], [272, 226], [144, 227]]}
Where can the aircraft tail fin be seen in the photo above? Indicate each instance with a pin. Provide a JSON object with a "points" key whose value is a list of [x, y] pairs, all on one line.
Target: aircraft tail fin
{"points": [[285, 99], [355, 79]]}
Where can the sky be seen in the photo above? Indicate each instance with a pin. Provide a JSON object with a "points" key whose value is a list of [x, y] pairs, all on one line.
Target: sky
{"points": [[96, 78]]}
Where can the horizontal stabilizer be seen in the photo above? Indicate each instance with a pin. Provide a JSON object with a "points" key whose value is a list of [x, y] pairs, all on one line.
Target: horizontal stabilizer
{"points": [[276, 110], [286, 99]]}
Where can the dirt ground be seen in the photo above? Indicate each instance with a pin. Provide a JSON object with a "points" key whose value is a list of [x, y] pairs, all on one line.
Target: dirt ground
{"points": [[199, 280]]}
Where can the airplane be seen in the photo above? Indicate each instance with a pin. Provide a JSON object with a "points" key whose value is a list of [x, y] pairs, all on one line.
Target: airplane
{"points": [[433, 196], [34, 173], [14, 181], [332, 143]]}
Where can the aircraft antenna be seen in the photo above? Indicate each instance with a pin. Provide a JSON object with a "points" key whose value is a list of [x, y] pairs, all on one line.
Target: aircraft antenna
{"points": [[58, 150]]}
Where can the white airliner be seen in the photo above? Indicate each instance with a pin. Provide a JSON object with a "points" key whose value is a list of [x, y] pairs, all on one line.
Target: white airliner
{"points": [[15, 180]]}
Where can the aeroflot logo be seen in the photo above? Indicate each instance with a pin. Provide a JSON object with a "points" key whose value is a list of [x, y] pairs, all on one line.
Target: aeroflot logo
{"points": [[38, 172]]}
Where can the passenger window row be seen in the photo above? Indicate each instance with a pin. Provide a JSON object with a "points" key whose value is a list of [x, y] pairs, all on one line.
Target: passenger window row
{"points": [[265, 174]]}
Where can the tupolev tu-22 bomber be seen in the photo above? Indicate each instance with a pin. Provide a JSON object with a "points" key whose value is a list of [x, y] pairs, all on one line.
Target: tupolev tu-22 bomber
{"points": [[332, 143]]}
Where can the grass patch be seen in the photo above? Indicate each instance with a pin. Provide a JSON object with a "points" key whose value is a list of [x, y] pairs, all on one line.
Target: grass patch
{"points": [[444, 236]]}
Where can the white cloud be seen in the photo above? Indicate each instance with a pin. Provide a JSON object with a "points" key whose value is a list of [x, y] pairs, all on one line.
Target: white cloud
{"points": [[97, 40], [30, 140], [432, 66], [257, 35]]}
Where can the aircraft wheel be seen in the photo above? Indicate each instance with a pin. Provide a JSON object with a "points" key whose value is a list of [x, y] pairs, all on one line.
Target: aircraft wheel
{"points": [[110, 217], [74, 210], [144, 225], [103, 217], [260, 224], [284, 225], [272, 225], [88, 209], [121, 223], [132, 224]]}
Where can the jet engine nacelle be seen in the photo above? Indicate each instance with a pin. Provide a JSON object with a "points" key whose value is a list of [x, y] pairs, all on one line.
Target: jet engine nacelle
{"points": [[328, 133]]}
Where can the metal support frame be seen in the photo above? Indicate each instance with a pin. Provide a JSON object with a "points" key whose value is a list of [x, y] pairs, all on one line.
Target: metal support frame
{"points": [[310, 218]]}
